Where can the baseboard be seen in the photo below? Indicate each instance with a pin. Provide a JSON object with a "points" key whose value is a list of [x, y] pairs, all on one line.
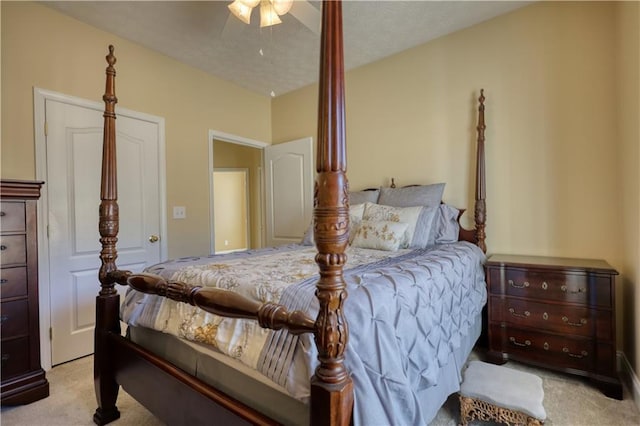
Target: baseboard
{"points": [[629, 377]]}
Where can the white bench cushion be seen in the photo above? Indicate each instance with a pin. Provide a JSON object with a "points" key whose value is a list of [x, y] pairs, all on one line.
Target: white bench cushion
{"points": [[504, 387]]}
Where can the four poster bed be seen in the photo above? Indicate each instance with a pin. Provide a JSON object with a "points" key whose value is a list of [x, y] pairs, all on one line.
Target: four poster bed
{"points": [[234, 339]]}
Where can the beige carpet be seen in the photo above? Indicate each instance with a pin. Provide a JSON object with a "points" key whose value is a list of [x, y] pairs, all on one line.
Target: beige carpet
{"points": [[568, 401]]}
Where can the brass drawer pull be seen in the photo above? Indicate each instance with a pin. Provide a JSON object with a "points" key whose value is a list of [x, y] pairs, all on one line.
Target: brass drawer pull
{"points": [[515, 314], [523, 285], [546, 346], [578, 290], [583, 321], [545, 285], [526, 342], [545, 316], [3, 247], [582, 354]]}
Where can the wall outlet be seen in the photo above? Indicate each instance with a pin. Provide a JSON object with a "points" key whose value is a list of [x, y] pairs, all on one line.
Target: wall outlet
{"points": [[179, 212]]}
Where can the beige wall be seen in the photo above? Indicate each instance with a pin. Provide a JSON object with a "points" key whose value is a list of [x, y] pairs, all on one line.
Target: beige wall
{"points": [[43, 48], [549, 71], [628, 111], [229, 155]]}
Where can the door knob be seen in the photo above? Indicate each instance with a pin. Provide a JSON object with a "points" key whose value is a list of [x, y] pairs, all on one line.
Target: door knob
{"points": [[153, 238]]}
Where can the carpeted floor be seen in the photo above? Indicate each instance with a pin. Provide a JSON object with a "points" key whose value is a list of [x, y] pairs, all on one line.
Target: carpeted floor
{"points": [[569, 401]]}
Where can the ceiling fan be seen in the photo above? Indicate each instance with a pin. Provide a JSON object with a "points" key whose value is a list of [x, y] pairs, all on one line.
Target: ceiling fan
{"points": [[271, 10]]}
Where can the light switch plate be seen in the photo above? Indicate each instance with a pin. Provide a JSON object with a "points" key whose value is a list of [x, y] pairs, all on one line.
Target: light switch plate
{"points": [[179, 212]]}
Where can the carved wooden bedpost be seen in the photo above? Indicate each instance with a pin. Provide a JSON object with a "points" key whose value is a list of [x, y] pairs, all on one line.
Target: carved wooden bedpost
{"points": [[108, 301], [331, 385], [480, 207]]}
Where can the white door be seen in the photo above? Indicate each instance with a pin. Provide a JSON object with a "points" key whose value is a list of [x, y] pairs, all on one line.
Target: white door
{"points": [[74, 150], [289, 179]]}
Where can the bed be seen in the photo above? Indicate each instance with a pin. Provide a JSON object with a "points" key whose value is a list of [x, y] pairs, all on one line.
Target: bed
{"points": [[387, 353]]}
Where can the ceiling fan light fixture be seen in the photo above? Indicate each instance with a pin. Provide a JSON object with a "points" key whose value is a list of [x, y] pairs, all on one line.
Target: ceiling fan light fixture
{"points": [[241, 10], [268, 15], [282, 6]]}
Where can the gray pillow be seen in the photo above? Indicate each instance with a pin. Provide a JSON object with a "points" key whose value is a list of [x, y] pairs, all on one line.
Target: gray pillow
{"points": [[445, 227], [410, 196], [308, 240], [424, 228], [361, 197]]}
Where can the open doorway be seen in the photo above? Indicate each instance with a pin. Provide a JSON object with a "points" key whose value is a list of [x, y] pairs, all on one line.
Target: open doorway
{"points": [[234, 153], [231, 189]]}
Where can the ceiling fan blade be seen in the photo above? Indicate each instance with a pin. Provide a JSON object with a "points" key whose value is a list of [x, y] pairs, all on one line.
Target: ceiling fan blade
{"points": [[304, 12]]}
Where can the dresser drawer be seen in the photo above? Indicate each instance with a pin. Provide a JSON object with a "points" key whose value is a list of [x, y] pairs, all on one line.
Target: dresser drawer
{"points": [[554, 350], [12, 216], [13, 282], [582, 288], [14, 319], [563, 319], [15, 357], [13, 250]]}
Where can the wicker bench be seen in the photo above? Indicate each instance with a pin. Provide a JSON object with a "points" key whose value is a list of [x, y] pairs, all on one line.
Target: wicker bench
{"points": [[492, 393]]}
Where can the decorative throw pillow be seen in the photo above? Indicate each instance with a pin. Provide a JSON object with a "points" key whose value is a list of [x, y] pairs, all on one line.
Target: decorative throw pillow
{"points": [[379, 235], [355, 216], [408, 215], [366, 196], [421, 195]]}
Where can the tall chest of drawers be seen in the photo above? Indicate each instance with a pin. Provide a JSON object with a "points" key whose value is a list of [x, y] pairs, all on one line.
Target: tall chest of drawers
{"points": [[554, 312], [23, 379]]}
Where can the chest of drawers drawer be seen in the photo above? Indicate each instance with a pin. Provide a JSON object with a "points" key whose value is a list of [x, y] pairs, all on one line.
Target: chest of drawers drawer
{"points": [[567, 287], [13, 250], [561, 351], [14, 361], [14, 319], [13, 282], [12, 216], [563, 319]]}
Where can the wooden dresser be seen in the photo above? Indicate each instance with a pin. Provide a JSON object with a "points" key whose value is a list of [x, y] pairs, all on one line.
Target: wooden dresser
{"points": [[554, 312], [23, 379]]}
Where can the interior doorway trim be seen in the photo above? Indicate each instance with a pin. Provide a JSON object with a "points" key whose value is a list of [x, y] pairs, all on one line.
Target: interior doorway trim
{"points": [[238, 140]]}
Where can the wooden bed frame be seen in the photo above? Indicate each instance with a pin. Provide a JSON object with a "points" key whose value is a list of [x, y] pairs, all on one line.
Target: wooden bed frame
{"points": [[168, 391]]}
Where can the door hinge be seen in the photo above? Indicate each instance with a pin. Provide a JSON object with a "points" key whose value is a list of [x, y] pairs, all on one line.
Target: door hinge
{"points": [[47, 231], [46, 129], [51, 333]]}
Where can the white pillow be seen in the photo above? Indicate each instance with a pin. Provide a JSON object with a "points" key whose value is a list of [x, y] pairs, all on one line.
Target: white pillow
{"points": [[379, 235], [355, 217], [408, 215]]}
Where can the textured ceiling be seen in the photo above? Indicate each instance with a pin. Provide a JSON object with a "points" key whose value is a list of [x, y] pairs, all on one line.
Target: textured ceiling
{"points": [[284, 57]]}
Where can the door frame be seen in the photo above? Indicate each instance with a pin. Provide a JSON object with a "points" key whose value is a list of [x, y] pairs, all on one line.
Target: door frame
{"points": [[238, 140], [40, 96]]}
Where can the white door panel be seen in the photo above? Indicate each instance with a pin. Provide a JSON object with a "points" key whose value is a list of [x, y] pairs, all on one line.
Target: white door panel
{"points": [[74, 150], [289, 190]]}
